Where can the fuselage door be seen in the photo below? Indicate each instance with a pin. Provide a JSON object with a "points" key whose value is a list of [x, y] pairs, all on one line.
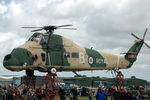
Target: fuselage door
{"points": [[56, 57]]}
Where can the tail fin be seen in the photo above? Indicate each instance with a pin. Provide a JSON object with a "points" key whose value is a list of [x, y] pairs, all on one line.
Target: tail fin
{"points": [[133, 52]]}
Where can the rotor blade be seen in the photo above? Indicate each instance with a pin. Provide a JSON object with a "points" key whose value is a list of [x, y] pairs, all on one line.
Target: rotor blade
{"points": [[37, 30], [65, 25], [31, 27], [135, 36], [144, 33], [147, 45], [69, 28]]}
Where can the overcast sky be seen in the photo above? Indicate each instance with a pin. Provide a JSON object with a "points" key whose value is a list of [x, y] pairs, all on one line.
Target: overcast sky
{"points": [[105, 25]]}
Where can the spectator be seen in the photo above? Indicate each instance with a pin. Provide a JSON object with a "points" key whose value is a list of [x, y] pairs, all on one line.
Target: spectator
{"points": [[110, 94], [127, 95], [62, 93], [101, 95], [17, 94], [90, 94], [25, 90], [71, 94], [75, 93], [31, 95], [39, 93], [139, 96], [2, 94], [10, 93]]}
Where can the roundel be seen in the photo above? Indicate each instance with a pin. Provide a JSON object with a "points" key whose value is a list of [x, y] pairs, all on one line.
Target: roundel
{"points": [[90, 60]]}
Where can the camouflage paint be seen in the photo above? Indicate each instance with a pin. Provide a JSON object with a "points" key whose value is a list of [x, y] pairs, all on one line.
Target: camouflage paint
{"points": [[59, 45], [98, 59], [56, 50], [133, 52], [18, 57]]}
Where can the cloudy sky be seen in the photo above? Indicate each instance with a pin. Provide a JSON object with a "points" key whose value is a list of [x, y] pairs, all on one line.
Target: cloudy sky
{"points": [[105, 25]]}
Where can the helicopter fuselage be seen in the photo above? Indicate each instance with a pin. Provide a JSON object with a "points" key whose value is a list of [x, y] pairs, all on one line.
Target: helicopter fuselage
{"points": [[62, 54]]}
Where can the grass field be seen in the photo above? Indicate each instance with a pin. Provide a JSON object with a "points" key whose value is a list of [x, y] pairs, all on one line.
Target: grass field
{"points": [[79, 98]]}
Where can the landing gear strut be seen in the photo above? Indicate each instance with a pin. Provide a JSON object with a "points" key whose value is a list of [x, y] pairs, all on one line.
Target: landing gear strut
{"points": [[29, 80], [51, 80], [120, 81]]}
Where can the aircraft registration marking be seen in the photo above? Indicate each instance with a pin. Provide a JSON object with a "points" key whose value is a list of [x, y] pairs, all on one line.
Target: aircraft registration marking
{"points": [[99, 60]]}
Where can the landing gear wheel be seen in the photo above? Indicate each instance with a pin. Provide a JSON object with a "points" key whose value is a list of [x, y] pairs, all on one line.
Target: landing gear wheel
{"points": [[52, 70], [51, 80], [30, 72]]}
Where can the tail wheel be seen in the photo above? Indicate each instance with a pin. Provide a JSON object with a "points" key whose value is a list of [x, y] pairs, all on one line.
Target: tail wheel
{"points": [[52, 70]]}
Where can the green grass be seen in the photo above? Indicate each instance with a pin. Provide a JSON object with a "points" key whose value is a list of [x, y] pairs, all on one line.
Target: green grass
{"points": [[79, 98]]}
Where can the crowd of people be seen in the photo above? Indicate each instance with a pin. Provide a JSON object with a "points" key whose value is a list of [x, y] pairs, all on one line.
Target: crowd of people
{"points": [[73, 94], [12, 92], [112, 94], [102, 94], [23, 92]]}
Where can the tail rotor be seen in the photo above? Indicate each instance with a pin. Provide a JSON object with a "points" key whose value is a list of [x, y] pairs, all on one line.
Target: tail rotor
{"points": [[142, 40]]}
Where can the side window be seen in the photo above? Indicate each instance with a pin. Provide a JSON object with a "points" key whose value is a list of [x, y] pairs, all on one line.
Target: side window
{"points": [[75, 55], [43, 56], [67, 54]]}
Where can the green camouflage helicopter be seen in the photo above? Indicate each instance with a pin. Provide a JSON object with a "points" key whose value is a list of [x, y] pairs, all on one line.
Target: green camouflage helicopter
{"points": [[48, 52]]}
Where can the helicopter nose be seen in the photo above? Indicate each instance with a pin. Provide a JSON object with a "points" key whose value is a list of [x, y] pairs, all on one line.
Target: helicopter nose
{"points": [[10, 60], [18, 57]]}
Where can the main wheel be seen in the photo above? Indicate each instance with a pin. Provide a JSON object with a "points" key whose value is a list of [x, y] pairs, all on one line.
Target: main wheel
{"points": [[52, 70], [30, 72]]}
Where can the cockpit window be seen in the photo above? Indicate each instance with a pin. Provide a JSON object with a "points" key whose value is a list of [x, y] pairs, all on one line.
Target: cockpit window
{"points": [[40, 38], [35, 37], [44, 40]]}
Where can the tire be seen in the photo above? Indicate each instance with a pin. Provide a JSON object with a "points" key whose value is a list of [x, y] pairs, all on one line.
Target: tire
{"points": [[52, 70], [30, 72]]}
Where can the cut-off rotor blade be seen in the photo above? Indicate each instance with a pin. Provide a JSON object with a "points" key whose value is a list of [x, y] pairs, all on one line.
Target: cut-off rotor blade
{"points": [[31, 27], [144, 33], [37, 30], [135, 36], [147, 45], [64, 25], [69, 28]]}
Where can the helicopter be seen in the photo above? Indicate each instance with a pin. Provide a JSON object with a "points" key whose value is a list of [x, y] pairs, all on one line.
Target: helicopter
{"points": [[49, 52]]}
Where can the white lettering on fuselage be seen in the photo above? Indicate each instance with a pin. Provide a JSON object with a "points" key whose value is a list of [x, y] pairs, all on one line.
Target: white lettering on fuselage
{"points": [[100, 61]]}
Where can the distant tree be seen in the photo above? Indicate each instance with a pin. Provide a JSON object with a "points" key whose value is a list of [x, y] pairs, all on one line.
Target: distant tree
{"points": [[97, 77], [133, 77], [80, 76], [84, 76]]}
